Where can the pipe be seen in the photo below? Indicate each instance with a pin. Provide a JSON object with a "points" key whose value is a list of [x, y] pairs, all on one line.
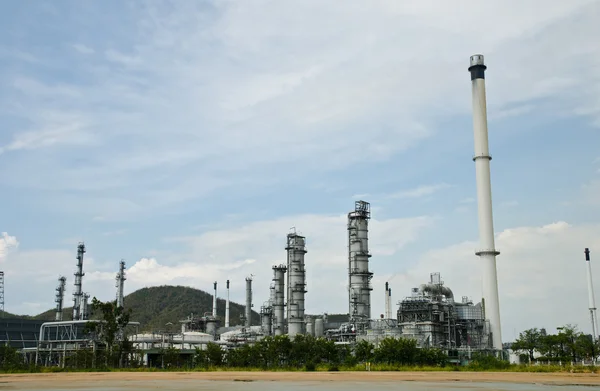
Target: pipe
{"points": [[487, 252], [214, 309], [591, 298], [227, 307]]}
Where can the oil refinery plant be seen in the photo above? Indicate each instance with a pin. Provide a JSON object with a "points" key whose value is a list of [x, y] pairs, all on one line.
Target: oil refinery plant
{"points": [[431, 313]]}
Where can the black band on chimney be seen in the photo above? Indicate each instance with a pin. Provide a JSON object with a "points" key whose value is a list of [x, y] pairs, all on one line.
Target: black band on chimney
{"points": [[587, 254], [477, 71]]}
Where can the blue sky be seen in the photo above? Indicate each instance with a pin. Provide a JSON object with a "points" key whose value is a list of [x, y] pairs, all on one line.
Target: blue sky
{"points": [[188, 138]]}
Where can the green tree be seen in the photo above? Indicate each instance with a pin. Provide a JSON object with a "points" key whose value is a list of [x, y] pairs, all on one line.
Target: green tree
{"points": [[110, 330], [363, 351], [528, 341]]}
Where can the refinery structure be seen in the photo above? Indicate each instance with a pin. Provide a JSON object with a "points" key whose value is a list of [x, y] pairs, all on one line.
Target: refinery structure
{"points": [[431, 313]]}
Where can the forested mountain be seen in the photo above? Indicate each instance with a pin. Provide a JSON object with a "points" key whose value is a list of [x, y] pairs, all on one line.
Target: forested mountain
{"points": [[154, 307]]}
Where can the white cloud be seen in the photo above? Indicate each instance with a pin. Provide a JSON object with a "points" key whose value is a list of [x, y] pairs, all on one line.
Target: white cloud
{"points": [[83, 49], [201, 99], [541, 274], [421, 191], [7, 243]]}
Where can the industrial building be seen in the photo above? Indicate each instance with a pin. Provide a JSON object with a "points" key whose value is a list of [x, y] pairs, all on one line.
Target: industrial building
{"points": [[429, 313]]}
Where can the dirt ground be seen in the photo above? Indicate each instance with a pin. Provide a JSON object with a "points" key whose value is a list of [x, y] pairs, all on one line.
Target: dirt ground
{"points": [[72, 379]]}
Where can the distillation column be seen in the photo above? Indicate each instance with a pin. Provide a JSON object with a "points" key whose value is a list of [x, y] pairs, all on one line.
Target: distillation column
{"points": [[359, 276], [60, 296], [78, 294], [248, 301], [85, 307], [120, 284], [296, 248], [227, 307], [279, 299], [487, 252], [214, 308], [386, 304], [591, 298]]}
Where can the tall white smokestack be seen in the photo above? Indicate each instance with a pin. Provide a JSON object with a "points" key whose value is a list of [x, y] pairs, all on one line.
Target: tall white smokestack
{"points": [[214, 311], [227, 307], [591, 298], [386, 303], [390, 303], [248, 317], [487, 252]]}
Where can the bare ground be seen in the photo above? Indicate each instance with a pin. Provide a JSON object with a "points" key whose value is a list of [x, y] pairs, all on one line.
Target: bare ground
{"points": [[70, 380]]}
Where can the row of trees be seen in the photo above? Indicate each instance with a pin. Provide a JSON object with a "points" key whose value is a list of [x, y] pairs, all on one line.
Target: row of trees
{"points": [[568, 345], [304, 351]]}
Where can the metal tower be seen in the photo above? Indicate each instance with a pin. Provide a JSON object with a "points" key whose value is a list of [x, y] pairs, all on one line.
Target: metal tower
{"points": [[248, 301], [120, 284], [2, 292], [296, 283], [60, 297], [278, 299], [78, 294], [214, 308], [359, 276], [591, 297], [85, 307], [227, 307], [487, 252]]}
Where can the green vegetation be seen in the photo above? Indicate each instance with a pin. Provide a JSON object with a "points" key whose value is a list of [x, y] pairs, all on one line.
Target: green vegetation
{"points": [[569, 345], [156, 306]]}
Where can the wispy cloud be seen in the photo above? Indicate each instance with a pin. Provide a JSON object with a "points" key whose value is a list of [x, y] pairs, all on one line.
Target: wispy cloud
{"points": [[421, 191], [83, 49]]}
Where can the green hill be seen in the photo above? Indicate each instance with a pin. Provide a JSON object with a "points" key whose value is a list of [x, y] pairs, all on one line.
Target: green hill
{"points": [[156, 306]]}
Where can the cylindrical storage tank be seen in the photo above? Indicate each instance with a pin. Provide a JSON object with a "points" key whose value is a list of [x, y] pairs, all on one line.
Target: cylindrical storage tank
{"points": [[196, 337], [211, 327], [319, 327], [310, 328]]}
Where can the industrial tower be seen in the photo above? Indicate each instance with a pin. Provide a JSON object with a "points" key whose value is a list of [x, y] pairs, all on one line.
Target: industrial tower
{"points": [[278, 300], [359, 276], [60, 297], [120, 284], [2, 292], [214, 307], [78, 294], [227, 307], [248, 316], [296, 248], [487, 252], [591, 298]]}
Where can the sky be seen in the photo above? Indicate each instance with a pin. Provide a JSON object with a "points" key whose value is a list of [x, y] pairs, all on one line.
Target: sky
{"points": [[189, 137]]}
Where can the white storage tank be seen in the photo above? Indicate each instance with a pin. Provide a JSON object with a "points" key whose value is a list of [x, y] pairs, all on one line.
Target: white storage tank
{"points": [[319, 327], [310, 328]]}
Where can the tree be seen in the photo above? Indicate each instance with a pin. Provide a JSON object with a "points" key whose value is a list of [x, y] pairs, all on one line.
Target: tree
{"points": [[111, 328], [529, 341]]}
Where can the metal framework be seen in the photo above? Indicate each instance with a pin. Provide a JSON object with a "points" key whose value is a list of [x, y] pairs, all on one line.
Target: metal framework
{"points": [[296, 248], [120, 284], [359, 276], [59, 340], [2, 292], [78, 294]]}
